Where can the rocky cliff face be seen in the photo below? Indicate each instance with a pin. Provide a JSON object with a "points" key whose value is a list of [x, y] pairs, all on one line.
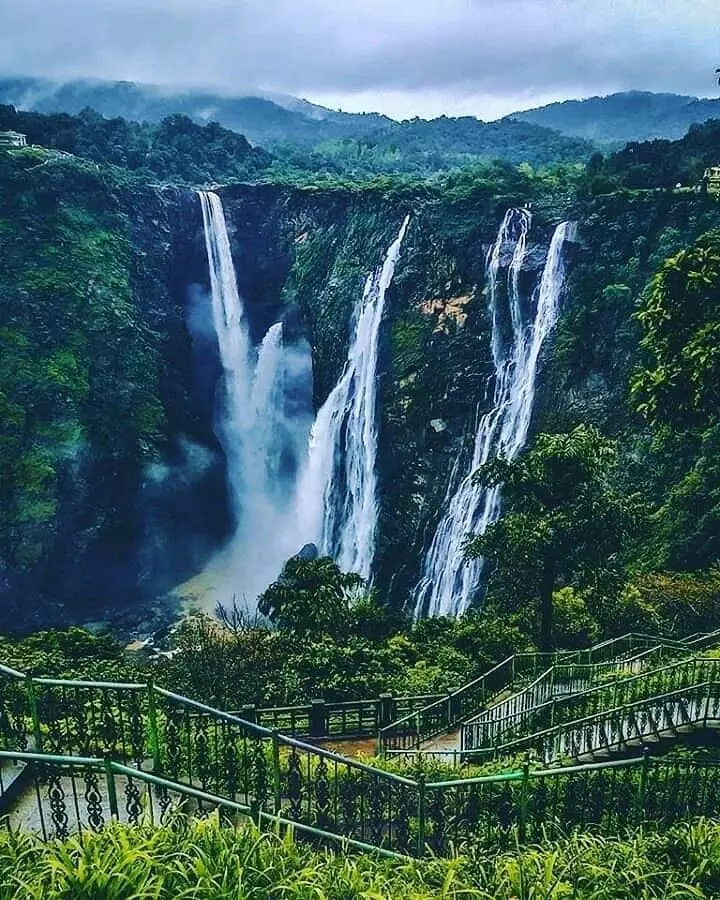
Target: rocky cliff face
{"points": [[130, 520], [311, 251]]}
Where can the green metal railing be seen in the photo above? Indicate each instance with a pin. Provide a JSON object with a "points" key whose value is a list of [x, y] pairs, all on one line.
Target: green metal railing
{"points": [[65, 795], [412, 730], [195, 746], [66, 738], [333, 719], [616, 730], [541, 706], [633, 651], [79, 794]]}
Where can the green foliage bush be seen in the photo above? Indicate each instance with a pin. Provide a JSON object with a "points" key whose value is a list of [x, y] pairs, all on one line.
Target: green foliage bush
{"points": [[202, 860]]}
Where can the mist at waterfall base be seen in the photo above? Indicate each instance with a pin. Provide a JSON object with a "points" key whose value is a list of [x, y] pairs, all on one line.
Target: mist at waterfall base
{"points": [[263, 413], [288, 486], [521, 322]]}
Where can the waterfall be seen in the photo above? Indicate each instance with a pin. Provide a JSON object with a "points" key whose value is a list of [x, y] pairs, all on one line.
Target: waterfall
{"points": [[231, 329], [263, 421], [338, 495], [448, 581]]}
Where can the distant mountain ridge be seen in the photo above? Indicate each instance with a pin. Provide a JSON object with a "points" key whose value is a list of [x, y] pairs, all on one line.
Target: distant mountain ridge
{"points": [[308, 135], [262, 119], [628, 116]]}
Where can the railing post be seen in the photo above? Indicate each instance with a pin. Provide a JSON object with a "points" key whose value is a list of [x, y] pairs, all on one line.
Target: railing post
{"points": [[112, 792], [644, 771], [249, 712], [386, 710], [318, 718], [277, 784], [34, 714], [153, 727], [421, 815], [708, 692], [418, 740], [522, 818]]}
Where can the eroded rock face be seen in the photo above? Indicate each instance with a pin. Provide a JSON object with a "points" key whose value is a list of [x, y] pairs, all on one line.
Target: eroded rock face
{"points": [[302, 256]]}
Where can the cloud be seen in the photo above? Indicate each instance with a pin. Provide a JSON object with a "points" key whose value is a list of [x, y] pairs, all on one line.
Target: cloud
{"points": [[412, 54]]}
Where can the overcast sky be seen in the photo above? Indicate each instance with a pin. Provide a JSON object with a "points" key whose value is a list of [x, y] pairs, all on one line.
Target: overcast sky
{"points": [[401, 57]]}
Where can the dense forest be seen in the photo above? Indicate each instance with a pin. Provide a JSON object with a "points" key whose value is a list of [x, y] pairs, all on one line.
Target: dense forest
{"points": [[301, 136]]}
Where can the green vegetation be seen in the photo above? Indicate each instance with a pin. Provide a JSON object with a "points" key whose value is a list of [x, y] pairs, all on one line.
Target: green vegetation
{"points": [[302, 137], [680, 318], [201, 860], [175, 150], [565, 525], [67, 307], [331, 642], [659, 163]]}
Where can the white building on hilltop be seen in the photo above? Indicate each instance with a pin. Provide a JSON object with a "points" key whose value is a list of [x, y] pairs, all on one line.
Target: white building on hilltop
{"points": [[12, 139]]}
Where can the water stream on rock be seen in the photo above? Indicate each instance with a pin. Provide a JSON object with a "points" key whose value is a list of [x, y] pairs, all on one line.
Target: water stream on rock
{"points": [[263, 418], [337, 499], [449, 582]]}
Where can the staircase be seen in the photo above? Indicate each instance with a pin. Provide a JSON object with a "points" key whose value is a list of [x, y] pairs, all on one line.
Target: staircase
{"points": [[75, 754], [528, 696]]}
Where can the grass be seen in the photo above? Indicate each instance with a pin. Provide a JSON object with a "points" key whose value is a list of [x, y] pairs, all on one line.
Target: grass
{"points": [[203, 861]]}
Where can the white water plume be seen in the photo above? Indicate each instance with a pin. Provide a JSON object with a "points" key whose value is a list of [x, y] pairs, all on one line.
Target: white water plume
{"points": [[263, 420]]}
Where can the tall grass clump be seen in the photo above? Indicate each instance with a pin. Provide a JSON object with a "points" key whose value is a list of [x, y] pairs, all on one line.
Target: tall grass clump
{"points": [[202, 860]]}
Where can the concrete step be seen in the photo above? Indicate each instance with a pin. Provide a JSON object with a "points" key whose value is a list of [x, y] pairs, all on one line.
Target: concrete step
{"points": [[14, 779]]}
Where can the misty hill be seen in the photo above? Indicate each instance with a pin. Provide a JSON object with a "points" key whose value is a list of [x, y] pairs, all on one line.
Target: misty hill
{"points": [[308, 136], [628, 116], [263, 120]]}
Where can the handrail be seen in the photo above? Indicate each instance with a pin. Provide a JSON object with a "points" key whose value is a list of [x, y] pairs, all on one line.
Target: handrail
{"points": [[13, 673], [599, 717], [496, 717], [466, 687], [111, 767], [450, 709], [347, 800], [216, 713], [412, 721]]}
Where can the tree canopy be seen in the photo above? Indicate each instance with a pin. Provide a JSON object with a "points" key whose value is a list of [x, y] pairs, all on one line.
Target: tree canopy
{"points": [[567, 522], [680, 315]]}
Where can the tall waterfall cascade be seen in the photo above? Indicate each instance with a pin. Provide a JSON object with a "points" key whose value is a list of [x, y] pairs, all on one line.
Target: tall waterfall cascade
{"points": [[262, 420], [231, 329], [337, 499], [520, 326]]}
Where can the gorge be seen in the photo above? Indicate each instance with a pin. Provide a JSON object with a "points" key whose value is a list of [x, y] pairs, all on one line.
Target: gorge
{"points": [[146, 489]]}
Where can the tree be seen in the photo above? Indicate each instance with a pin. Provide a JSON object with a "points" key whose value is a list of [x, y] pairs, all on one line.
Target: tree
{"points": [[567, 523], [679, 383], [310, 596]]}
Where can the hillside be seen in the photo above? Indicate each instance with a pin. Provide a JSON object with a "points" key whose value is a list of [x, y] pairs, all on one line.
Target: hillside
{"points": [[627, 116], [262, 120], [96, 440], [308, 136]]}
